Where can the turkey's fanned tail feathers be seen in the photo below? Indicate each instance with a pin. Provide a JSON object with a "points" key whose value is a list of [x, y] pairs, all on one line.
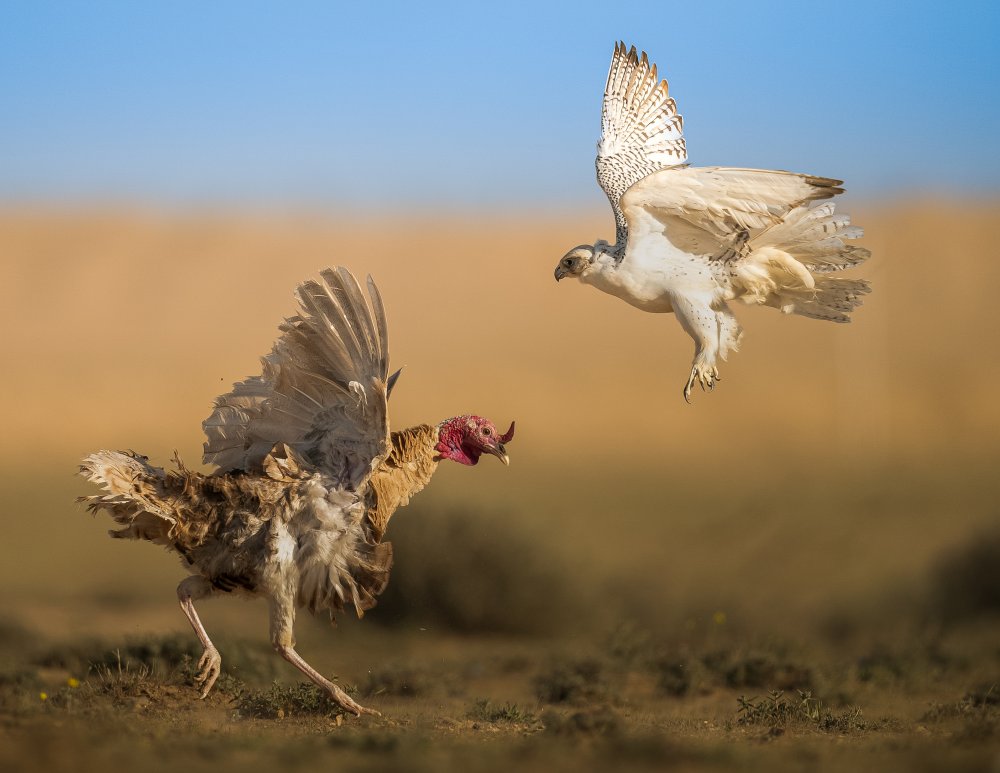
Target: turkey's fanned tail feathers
{"points": [[135, 495]]}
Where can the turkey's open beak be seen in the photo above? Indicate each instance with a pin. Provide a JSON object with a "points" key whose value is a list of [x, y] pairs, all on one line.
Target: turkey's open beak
{"points": [[560, 272], [500, 452], [499, 449]]}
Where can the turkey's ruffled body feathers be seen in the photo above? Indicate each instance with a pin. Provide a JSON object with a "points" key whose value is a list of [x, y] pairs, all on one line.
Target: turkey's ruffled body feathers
{"points": [[291, 527]]}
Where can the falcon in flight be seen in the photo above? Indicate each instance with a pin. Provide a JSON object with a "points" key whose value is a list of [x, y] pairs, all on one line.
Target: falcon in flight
{"points": [[690, 239]]}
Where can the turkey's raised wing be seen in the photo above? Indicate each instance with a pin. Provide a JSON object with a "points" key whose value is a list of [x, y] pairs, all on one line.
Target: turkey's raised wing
{"points": [[322, 390], [722, 202], [641, 130]]}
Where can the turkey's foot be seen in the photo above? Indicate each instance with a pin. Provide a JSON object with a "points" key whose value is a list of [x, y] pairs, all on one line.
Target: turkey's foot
{"points": [[347, 703], [209, 668]]}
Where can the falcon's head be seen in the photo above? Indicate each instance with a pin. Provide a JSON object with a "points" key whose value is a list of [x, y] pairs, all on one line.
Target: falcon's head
{"points": [[575, 262], [465, 438]]}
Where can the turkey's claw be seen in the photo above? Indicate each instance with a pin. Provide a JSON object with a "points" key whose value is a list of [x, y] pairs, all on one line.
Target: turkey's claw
{"points": [[347, 703], [209, 668]]}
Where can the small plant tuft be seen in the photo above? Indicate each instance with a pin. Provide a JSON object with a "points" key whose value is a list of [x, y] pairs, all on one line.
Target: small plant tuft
{"points": [[121, 682], [486, 711], [981, 700], [777, 711], [280, 701]]}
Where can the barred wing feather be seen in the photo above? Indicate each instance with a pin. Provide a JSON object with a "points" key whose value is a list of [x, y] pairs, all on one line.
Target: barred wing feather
{"points": [[641, 130]]}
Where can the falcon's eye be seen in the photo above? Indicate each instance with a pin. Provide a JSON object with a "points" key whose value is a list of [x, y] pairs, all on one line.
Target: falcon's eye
{"points": [[568, 262]]}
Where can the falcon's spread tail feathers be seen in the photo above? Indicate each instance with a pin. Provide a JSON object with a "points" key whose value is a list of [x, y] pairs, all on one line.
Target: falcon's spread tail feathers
{"points": [[830, 299], [816, 238], [783, 260]]}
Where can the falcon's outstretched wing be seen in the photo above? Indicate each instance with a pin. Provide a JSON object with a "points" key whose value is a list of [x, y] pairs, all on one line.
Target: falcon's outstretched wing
{"points": [[322, 391], [720, 202], [641, 130]]}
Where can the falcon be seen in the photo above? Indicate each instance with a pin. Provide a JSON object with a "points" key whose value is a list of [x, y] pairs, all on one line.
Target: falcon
{"points": [[690, 239]]}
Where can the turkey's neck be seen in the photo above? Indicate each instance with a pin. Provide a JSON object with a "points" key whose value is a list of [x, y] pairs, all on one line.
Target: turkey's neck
{"points": [[405, 471]]}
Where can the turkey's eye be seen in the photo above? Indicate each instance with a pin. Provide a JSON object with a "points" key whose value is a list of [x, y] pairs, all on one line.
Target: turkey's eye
{"points": [[487, 431]]}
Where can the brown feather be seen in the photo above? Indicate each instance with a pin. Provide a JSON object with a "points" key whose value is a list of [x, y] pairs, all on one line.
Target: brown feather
{"points": [[407, 468]]}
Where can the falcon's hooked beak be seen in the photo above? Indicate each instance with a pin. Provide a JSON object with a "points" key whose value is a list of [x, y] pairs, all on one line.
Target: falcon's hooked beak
{"points": [[560, 272]]}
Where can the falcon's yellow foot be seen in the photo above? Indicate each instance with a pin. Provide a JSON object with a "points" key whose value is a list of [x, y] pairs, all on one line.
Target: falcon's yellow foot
{"points": [[708, 377]]}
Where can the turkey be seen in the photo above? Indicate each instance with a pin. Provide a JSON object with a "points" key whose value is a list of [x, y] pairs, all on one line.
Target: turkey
{"points": [[689, 239], [307, 476]]}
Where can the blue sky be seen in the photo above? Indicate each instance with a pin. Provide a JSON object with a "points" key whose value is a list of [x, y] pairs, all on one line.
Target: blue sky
{"points": [[369, 104]]}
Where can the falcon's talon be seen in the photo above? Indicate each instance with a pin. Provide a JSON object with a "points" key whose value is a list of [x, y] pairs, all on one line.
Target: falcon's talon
{"points": [[687, 387]]}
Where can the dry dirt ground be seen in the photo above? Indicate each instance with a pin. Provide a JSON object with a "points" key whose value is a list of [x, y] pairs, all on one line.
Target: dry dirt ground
{"points": [[489, 651], [799, 571], [708, 700]]}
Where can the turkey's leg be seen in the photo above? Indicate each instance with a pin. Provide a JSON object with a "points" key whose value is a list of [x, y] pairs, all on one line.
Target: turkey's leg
{"points": [[210, 663], [282, 620]]}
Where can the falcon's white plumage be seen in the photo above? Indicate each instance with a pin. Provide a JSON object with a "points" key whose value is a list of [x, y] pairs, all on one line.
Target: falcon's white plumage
{"points": [[689, 239]]}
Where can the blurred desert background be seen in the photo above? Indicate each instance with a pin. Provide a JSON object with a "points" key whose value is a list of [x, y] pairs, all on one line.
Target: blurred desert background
{"points": [[841, 481], [853, 454], [799, 569]]}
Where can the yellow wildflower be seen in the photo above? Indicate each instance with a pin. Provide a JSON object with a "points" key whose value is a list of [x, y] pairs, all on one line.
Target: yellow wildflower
{"points": [[73, 682], [43, 696]]}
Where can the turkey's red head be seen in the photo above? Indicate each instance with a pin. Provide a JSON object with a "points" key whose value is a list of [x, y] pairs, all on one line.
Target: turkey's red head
{"points": [[465, 438]]}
